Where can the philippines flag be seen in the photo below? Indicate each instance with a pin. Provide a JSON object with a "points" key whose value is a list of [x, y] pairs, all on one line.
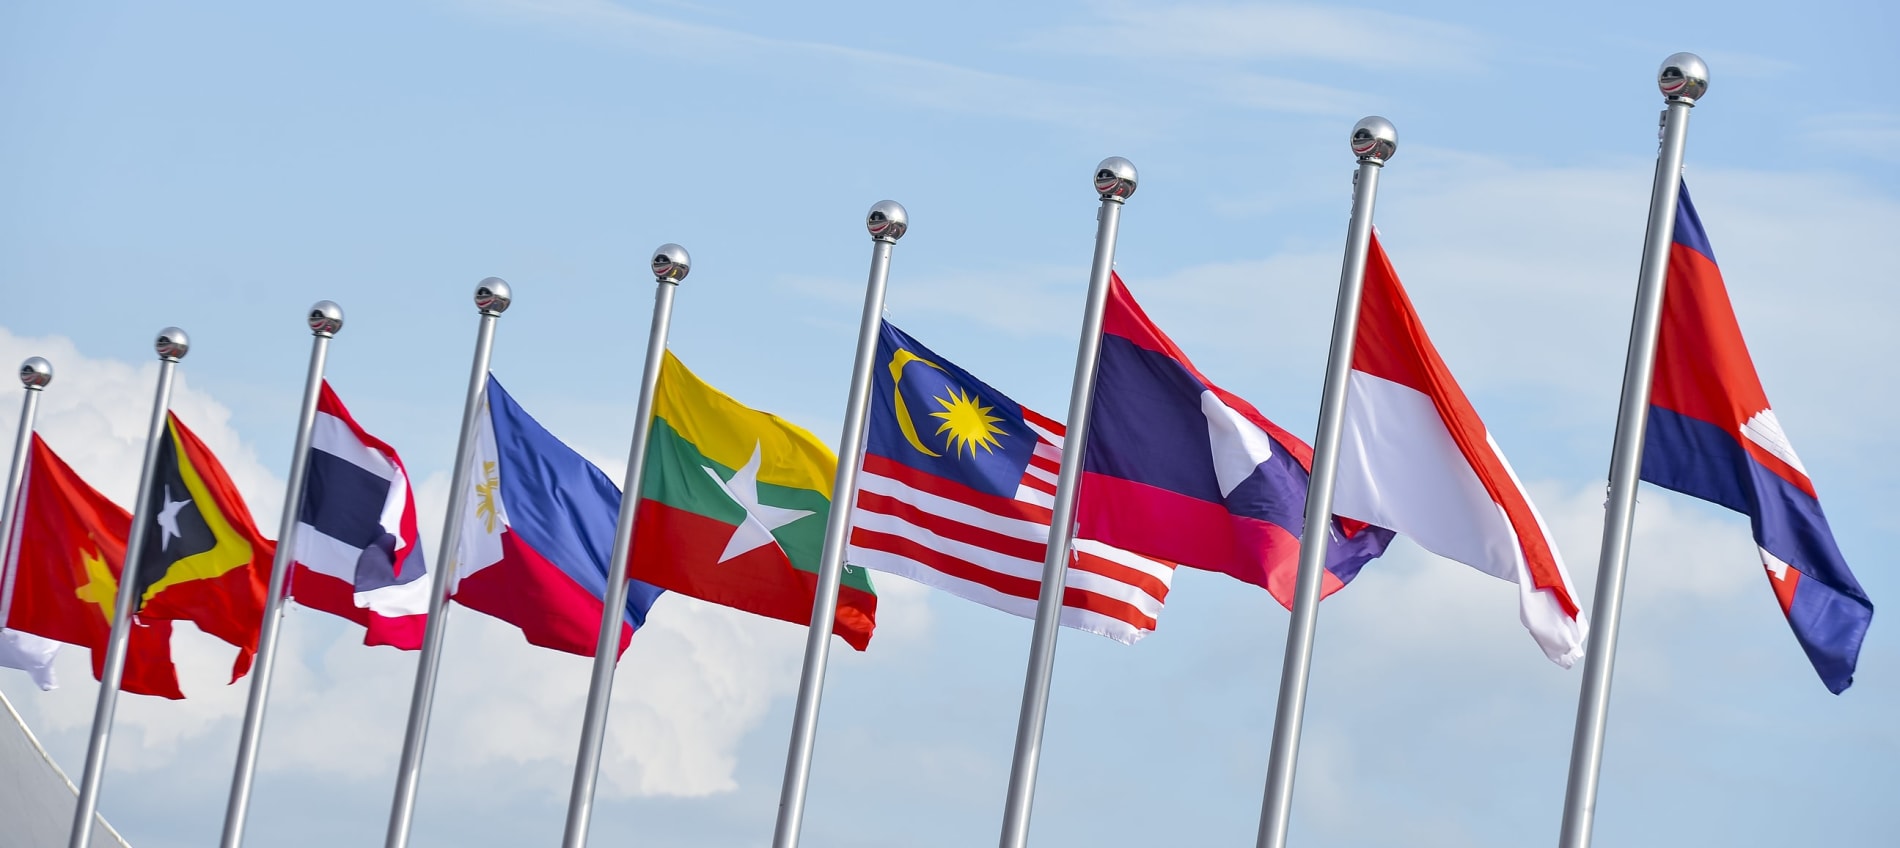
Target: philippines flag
{"points": [[1415, 457], [956, 493], [1712, 435], [1181, 469], [357, 552], [538, 533]]}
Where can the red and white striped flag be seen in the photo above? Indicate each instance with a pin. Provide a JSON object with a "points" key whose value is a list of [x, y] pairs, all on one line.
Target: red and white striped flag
{"points": [[956, 493]]}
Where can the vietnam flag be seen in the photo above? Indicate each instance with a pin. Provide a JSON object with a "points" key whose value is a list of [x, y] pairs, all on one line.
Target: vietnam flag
{"points": [[204, 560], [67, 558], [733, 509]]}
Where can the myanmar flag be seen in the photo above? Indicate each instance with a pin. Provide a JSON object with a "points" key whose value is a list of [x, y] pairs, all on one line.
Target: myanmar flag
{"points": [[67, 556], [733, 508]]}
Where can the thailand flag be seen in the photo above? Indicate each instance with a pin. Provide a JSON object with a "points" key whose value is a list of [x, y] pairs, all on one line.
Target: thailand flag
{"points": [[1415, 457], [538, 532], [1179, 469], [1712, 435], [356, 547]]}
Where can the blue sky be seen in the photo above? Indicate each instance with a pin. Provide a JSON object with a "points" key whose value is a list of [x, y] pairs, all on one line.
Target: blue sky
{"points": [[221, 166]]}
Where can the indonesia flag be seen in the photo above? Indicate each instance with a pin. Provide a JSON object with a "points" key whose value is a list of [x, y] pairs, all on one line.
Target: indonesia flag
{"points": [[357, 552], [1415, 457], [1712, 435], [537, 533]]}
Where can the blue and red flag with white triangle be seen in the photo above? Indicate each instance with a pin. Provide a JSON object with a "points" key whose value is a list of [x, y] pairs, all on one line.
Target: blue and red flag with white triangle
{"points": [[1712, 435], [538, 533]]}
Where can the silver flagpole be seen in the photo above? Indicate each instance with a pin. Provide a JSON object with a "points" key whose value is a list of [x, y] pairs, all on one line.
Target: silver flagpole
{"points": [[1373, 140], [492, 297], [172, 345], [1115, 181], [35, 374], [325, 319], [887, 222], [1684, 78], [670, 265]]}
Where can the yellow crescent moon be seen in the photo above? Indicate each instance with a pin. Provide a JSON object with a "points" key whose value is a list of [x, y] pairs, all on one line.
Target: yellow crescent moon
{"points": [[901, 359]]}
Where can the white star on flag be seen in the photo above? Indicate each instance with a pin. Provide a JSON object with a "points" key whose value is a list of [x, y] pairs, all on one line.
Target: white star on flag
{"points": [[168, 519], [760, 519]]}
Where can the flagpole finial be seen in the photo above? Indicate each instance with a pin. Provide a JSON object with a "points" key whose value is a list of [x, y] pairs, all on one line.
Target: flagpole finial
{"points": [[326, 318], [1374, 139], [1115, 178], [887, 221], [1684, 77], [671, 263], [493, 295], [36, 373], [172, 344]]}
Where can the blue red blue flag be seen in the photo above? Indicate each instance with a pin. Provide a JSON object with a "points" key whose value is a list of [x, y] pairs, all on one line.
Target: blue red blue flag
{"points": [[538, 533], [1180, 469], [1712, 435]]}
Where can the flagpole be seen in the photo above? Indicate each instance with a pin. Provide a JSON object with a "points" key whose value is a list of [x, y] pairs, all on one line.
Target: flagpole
{"points": [[887, 222], [1684, 78], [670, 265], [1115, 180], [325, 319], [1373, 140], [172, 345], [492, 297], [35, 375]]}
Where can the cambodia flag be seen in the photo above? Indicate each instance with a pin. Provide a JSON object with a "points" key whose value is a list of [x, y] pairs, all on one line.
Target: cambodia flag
{"points": [[538, 533], [1713, 436], [1181, 470]]}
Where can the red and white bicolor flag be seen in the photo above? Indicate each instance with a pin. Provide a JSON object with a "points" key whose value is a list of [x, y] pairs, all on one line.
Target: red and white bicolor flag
{"points": [[1416, 458]]}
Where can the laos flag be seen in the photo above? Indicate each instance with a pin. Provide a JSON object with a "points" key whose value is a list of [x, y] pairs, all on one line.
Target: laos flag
{"points": [[1181, 470], [538, 532], [1713, 436]]}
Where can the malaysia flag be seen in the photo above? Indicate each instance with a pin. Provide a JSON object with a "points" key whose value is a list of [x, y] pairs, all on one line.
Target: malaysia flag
{"points": [[1415, 457], [1181, 469], [357, 551], [1712, 435], [537, 534], [957, 490]]}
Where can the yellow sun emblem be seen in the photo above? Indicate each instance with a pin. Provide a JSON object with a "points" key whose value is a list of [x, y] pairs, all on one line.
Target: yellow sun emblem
{"points": [[485, 496], [969, 425]]}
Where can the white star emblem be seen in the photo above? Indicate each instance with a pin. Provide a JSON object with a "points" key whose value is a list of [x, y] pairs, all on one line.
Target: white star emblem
{"points": [[760, 519], [168, 519]]}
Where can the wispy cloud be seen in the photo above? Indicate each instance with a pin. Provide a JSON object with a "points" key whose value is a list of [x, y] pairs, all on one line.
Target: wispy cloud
{"points": [[896, 77], [1875, 135], [1357, 38]]}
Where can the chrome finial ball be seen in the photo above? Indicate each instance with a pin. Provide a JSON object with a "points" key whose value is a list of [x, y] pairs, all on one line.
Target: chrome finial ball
{"points": [[325, 318], [36, 372], [172, 344], [671, 263], [1374, 139], [1684, 77], [493, 295], [887, 221], [1115, 178]]}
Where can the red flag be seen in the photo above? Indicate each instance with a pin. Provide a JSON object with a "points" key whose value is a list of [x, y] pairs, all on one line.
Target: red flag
{"points": [[71, 542], [204, 560]]}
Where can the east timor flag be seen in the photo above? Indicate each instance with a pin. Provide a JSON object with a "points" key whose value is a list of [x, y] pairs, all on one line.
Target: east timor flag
{"points": [[204, 560], [69, 548], [733, 509]]}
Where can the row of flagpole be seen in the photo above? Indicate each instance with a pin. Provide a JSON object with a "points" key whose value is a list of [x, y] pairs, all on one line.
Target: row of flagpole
{"points": [[1683, 79]]}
